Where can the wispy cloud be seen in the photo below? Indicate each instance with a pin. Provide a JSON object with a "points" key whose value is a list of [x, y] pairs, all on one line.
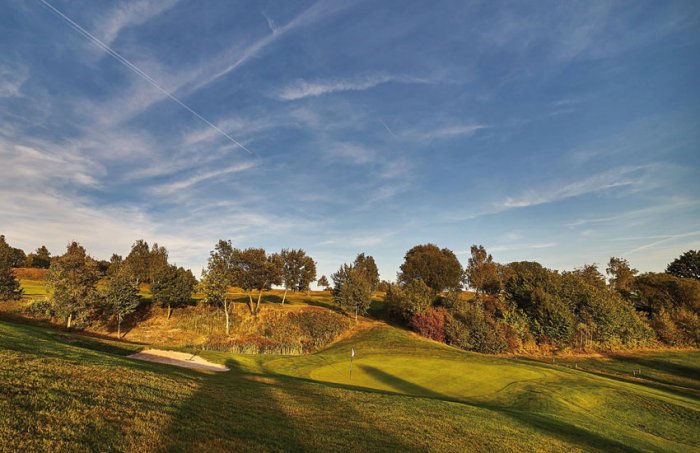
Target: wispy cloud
{"points": [[456, 130], [664, 239], [303, 89], [618, 177], [651, 212], [309, 16], [129, 14], [505, 248], [350, 152], [201, 177], [446, 131], [11, 80]]}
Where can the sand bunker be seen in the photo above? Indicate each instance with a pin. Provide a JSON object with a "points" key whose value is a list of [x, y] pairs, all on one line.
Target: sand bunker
{"points": [[181, 359]]}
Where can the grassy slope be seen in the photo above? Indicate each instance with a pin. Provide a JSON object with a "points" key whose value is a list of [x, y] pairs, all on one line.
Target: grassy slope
{"points": [[67, 392]]}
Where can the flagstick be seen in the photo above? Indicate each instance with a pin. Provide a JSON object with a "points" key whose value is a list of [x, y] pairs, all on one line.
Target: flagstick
{"points": [[352, 354]]}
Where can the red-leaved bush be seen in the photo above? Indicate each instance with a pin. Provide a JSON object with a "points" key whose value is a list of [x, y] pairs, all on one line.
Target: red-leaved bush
{"points": [[430, 323]]}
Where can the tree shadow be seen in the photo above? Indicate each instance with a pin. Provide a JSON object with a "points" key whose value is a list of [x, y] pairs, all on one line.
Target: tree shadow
{"points": [[245, 411], [544, 422], [664, 367], [402, 385]]}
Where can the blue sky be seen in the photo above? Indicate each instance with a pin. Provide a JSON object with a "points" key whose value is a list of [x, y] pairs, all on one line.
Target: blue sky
{"points": [[562, 132]]}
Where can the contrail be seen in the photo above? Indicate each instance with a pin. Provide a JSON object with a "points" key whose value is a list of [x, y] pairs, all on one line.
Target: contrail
{"points": [[387, 128], [139, 72]]}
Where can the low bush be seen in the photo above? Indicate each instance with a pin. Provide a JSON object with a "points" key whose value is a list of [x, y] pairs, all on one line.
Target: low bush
{"points": [[276, 332], [470, 328], [430, 323], [403, 302]]}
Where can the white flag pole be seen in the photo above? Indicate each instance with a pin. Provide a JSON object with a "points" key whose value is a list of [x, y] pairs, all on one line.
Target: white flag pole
{"points": [[352, 354]]}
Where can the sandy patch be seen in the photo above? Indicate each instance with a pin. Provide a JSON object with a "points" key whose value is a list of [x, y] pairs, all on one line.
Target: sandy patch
{"points": [[181, 359]]}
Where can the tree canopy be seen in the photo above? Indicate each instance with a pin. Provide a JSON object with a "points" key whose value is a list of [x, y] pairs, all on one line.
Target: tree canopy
{"points": [[121, 295], [257, 271], [41, 258], [172, 287], [10, 288], [686, 266], [298, 269], [482, 272], [72, 279], [352, 289], [11, 256], [438, 268], [219, 275], [145, 262], [621, 275]]}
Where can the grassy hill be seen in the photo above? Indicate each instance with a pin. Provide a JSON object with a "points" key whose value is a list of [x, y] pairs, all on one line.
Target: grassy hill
{"points": [[69, 392]]}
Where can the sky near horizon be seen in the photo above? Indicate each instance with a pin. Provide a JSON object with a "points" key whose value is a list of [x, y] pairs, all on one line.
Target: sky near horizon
{"points": [[562, 132]]}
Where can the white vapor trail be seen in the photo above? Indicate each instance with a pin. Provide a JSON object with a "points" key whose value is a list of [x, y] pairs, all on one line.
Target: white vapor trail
{"points": [[114, 54]]}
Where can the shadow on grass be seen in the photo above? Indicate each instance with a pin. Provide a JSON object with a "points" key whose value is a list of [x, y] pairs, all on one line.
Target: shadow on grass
{"points": [[253, 412], [550, 424], [402, 385], [663, 367]]}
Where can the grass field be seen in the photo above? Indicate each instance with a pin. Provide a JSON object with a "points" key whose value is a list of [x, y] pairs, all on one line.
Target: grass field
{"points": [[68, 392]]}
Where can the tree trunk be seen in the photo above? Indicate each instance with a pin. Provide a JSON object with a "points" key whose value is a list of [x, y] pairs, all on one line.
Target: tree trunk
{"points": [[257, 305], [227, 319], [285, 296], [70, 319], [119, 326], [356, 310], [250, 302], [169, 311]]}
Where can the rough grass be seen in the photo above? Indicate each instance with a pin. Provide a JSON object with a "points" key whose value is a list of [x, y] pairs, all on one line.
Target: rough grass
{"points": [[66, 392]]}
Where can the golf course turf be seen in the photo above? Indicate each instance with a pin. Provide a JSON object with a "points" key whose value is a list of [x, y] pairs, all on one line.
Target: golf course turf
{"points": [[70, 392]]}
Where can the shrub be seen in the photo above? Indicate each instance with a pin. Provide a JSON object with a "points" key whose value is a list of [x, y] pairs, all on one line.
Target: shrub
{"points": [[276, 332], [41, 309], [673, 304], [663, 291], [404, 302], [472, 329], [678, 327], [318, 328], [430, 323]]}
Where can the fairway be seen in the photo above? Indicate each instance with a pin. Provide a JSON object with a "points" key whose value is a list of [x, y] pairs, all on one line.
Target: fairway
{"points": [[71, 392]]}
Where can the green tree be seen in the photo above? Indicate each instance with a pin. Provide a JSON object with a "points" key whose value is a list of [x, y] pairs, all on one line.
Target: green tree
{"points": [[72, 280], [145, 262], [352, 290], [11, 256], [116, 262], [173, 287], [219, 275], [138, 261], [438, 268], [323, 282], [257, 271], [157, 258], [365, 263], [534, 291], [591, 275], [10, 288], [298, 271], [40, 259], [482, 272], [121, 296], [686, 266], [621, 275]]}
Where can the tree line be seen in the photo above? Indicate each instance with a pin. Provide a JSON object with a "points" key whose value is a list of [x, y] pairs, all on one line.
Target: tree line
{"points": [[516, 306], [76, 297], [523, 305]]}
